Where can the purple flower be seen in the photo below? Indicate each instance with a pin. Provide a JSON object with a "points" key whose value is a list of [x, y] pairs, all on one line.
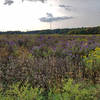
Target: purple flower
{"points": [[12, 43]]}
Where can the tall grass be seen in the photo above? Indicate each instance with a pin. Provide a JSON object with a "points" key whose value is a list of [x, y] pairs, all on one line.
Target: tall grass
{"points": [[46, 62]]}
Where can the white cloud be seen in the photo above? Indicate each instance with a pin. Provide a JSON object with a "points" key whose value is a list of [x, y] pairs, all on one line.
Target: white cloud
{"points": [[51, 18], [25, 16]]}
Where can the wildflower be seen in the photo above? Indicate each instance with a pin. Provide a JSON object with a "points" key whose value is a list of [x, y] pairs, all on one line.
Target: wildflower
{"points": [[97, 49], [90, 61]]}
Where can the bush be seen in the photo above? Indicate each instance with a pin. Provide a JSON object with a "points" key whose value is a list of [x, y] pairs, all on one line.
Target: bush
{"points": [[71, 91], [92, 63], [24, 92]]}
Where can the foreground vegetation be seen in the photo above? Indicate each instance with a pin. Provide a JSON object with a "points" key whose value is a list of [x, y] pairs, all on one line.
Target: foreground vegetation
{"points": [[65, 91], [49, 67]]}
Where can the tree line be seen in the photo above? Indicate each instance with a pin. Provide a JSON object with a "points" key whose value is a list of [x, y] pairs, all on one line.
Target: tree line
{"points": [[80, 31]]}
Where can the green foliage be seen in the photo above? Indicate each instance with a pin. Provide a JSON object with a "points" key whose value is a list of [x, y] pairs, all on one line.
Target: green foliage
{"points": [[68, 91], [43, 52], [92, 64], [92, 61], [75, 92], [72, 91], [25, 92]]}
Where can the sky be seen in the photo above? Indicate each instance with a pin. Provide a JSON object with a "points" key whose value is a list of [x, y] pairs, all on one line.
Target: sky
{"points": [[26, 15]]}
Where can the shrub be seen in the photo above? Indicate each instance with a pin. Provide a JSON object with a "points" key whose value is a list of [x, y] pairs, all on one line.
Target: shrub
{"points": [[24, 92], [92, 63]]}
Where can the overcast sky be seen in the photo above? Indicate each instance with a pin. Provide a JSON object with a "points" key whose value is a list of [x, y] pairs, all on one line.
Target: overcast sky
{"points": [[28, 15]]}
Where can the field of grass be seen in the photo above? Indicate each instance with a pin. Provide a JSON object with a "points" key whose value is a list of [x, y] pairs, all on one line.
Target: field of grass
{"points": [[49, 67]]}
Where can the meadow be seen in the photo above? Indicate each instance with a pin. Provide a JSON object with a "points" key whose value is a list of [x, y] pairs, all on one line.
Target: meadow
{"points": [[49, 67]]}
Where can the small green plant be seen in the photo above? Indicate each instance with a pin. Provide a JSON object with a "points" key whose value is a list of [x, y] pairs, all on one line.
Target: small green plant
{"points": [[75, 91], [25, 92], [43, 52]]}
